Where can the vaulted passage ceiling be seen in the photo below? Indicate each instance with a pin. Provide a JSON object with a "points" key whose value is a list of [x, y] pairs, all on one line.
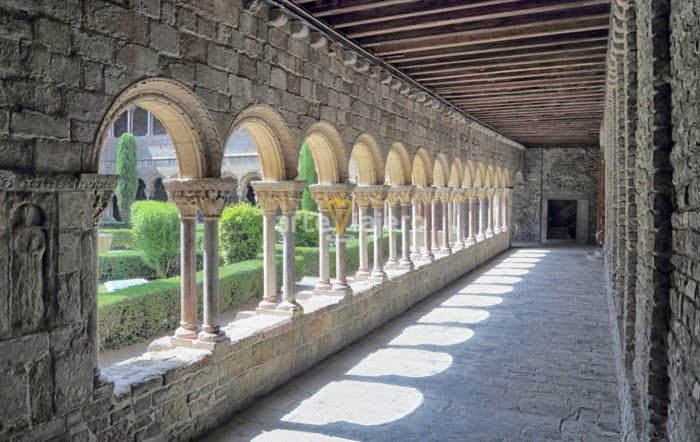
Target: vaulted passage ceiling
{"points": [[533, 69]]}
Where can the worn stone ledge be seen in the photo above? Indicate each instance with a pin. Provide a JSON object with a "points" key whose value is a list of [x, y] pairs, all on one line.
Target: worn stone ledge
{"points": [[181, 392]]}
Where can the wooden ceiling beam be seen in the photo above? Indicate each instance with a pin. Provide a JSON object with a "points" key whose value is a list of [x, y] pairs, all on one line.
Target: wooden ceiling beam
{"points": [[324, 8], [588, 62], [515, 85], [486, 79], [521, 59], [478, 13], [527, 92], [543, 97], [486, 35]]}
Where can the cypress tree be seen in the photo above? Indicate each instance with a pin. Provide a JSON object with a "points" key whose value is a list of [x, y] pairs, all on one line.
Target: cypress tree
{"points": [[307, 172], [129, 177]]}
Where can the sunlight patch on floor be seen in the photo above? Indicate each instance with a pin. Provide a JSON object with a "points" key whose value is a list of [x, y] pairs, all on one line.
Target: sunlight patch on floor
{"points": [[405, 362], [457, 315], [432, 335], [489, 289], [506, 271], [521, 260], [472, 301], [515, 265], [289, 435], [356, 402], [489, 279]]}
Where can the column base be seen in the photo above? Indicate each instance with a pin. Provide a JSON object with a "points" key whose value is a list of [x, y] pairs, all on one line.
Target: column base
{"points": [[480, 237], [415, 256], [378, 276], [215, 335], [446, 250], [391, 263], [292, 308], [470, 241], [497, 230], [341, 289], [362, 275], [186, 333], [322, 286], [458, 246], [266, 305], [427, 256], [504, 228], [489, 234], [406, 264]]}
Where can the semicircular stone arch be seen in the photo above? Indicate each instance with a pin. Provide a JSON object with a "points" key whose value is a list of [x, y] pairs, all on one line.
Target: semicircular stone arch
{"points": [[456, 173], [440, 171], [328, 153], [194, 136], [422, 172], [367, 158], [273, 141], [398, 165], [469, 173], [480, 175], [490, 177]]}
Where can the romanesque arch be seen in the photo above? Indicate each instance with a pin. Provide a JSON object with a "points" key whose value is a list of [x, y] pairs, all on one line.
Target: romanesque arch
{"points": [[273, 141], [480, 175], [440, 171], [490, 177], [422, 172], [469, 173], [328, 153], [456, 173], [368, 160], [398, 165], [196, 141]]}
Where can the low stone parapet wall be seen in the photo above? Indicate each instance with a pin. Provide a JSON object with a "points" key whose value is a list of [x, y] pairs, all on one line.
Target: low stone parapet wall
{"points": [[178, 393]]}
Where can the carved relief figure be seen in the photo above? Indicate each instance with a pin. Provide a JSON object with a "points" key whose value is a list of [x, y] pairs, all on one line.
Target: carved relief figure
{"points": [[28, 249]]}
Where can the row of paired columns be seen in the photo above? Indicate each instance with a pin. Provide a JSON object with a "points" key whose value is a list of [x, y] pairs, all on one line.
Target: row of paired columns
{"points": [[209, 195]]}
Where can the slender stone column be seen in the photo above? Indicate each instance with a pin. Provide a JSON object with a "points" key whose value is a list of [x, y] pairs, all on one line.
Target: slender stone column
{"points": [[395, 196], [435, 224], [288, 200], [186, 195], [211, 200], [471, 238], [458, 201], [324, 270], [337, 198], [504, 209], [489, 213], [450, 219], [415, 215], [497, 212], [427, 196], [376, 196], [482, 209], [265, 194], [393, 260], [363, 271], [443, 194]]}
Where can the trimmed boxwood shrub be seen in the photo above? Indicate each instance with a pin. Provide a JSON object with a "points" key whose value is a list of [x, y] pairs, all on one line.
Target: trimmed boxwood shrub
{"points": [[122, 239], [240, 232], [128, 264], [156, 233], [305, 228], [138, 313]]}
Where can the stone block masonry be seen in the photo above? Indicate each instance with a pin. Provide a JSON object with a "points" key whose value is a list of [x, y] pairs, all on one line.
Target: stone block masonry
{"points": [[179, 393]]}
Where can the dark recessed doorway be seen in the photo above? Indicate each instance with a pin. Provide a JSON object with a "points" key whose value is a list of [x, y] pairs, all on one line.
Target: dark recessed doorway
{"points": [[561, 219]]}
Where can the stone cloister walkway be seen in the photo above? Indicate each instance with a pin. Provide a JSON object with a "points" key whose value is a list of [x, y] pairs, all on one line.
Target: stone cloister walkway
{"points": [[520, 348]]}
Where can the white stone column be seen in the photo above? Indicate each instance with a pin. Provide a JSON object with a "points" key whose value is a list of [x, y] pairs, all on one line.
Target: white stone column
{"points": [[504, 209], [288, 200], [435, 224], [185, 195], [443, 194], [472, 216], [489, 213], [394, 201], [130, 119], [497, 212], [149, 123], [363, 270], [264, 191], [427, 196], [415, 247], [458, 201], [212, 199], [323, 285], [482, 209], [337, 198]]}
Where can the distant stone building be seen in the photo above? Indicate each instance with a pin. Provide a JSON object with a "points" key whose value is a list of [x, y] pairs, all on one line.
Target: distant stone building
{"points": [[157, 160]]}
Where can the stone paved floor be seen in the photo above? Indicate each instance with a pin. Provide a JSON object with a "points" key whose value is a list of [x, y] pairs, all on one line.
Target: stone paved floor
{"points": [[519, 349]]}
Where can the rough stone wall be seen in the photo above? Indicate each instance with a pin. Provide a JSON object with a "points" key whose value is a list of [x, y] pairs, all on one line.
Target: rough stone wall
{"points": [[550, 171], [64, 63], [180, 393], [684, 342], [652, 214]]}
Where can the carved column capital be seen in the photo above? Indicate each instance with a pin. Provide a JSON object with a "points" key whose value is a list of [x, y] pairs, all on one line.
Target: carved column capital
{"points": [[458, 195], [481, 193], [426, 194], [323, 193], [102, 187], [400, 195], [374, 195], [208, 195], [288, 195], [443, 194]]}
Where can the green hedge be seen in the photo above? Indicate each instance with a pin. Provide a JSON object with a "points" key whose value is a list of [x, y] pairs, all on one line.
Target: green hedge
{"points": [[138, 313], [128, 264], [122, 239]]}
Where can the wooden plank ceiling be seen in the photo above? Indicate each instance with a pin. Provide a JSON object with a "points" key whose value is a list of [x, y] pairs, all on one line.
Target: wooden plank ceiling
{"points": [[532, 69]]}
